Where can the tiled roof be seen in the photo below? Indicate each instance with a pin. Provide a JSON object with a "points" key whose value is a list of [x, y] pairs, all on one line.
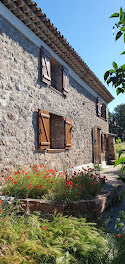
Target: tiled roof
{"points": [[32, 16]]}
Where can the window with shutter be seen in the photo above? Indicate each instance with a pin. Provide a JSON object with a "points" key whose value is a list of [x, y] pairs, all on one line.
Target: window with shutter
{"points": [[65, 80], [45, 66], [67, 133], [54, 132], [43, 129]]}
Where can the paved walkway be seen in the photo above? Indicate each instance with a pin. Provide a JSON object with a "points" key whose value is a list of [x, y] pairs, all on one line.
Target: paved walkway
{"points": [[112, 213]]}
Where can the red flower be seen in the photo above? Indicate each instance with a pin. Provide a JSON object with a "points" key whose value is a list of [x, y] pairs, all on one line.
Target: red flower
{"points": [[44, 227], [22, 171], [37, 186], [21, 187], [5, 192], [15, 173], [74, 172], [76, 184], [26, 173], [91, 183], [27, 186], [51, 181], [47, 188], [71, 186], [15, 182], [119, 235], [28, 177], [84, 186], [0, 202], [30, 184], [40, 186], [0, 211], [29, 189]]}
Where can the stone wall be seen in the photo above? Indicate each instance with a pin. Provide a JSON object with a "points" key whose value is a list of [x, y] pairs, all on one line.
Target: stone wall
{"points": [[22, 94]]}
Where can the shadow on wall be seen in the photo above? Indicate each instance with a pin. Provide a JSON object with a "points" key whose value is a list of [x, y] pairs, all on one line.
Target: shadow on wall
{"points": [[35, 127]]}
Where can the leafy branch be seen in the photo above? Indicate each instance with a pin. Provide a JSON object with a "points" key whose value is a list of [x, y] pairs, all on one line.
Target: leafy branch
{"points": [[116, 76]]}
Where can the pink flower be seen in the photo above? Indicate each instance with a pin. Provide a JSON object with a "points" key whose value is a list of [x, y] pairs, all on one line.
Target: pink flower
{"points": [[84, 186]]}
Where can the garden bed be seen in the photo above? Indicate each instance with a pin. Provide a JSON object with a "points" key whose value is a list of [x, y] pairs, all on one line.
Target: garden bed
{"points": [[79, 193]]}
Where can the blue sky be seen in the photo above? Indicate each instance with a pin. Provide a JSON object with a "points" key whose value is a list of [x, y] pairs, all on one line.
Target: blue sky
{"points": [[87, 27]]}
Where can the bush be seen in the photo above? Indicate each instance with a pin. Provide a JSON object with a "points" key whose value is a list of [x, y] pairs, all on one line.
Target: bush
{"points": [[118, 140], [96, 166], [64, 240], [51, 185]]}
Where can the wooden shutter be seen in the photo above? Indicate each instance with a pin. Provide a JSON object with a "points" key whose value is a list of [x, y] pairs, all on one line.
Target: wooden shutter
{"points": [[107, 113], [102, 143], [43, 129], [65, 80], [97, 100], [45, 66], [96, 145], [103, 111], [67, 133]]}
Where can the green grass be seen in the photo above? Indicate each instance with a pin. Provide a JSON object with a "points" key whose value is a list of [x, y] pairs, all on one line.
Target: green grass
{"points": [[119, 147], [64, 240]]}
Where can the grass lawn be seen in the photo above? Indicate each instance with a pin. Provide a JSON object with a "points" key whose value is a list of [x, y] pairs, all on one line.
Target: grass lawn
{"points": [[120, 147]]}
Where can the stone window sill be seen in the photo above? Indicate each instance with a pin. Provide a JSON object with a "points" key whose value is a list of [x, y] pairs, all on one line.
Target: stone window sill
{"points": [[50, 150]]}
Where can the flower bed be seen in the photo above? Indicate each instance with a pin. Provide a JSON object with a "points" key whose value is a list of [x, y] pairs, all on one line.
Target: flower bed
{"points": [[51, 185]]}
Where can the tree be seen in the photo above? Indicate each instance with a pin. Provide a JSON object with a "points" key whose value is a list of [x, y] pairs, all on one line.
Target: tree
{"points": [[117, 121], [116, 76]]}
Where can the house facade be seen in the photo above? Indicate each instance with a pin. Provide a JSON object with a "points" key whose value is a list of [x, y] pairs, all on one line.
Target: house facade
{"points": [[54, 110]]}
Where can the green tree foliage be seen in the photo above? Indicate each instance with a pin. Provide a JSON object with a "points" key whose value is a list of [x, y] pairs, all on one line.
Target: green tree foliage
{"points": [[117, 121], [116, 76]]}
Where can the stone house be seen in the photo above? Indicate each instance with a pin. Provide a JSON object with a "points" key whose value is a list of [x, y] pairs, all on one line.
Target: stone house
{"points": [[54, 110]]}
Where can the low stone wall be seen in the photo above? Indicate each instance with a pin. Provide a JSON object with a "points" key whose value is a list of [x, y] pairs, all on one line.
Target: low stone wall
{"points": [[86, 208]]}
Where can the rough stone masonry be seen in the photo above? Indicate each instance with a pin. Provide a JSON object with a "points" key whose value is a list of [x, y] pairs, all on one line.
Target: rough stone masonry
{"points": [[22, 93]]}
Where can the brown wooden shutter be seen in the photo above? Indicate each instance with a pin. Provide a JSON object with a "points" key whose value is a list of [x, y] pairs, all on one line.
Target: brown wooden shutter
{"points": [[96, 145], [43, 129], [65, 80], [67, 133], [45, 66], [102, 143]]}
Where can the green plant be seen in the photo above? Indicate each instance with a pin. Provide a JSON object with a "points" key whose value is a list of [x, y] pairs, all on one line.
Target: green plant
{"points": [[98, 167], [121, 160], [118, 140], [117, 74], [63, 240], [52, 185]]}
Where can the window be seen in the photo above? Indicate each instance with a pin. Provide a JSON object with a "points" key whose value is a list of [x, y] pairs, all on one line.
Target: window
{"points": [[53, 73], [101, 109], [54, 131]]}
